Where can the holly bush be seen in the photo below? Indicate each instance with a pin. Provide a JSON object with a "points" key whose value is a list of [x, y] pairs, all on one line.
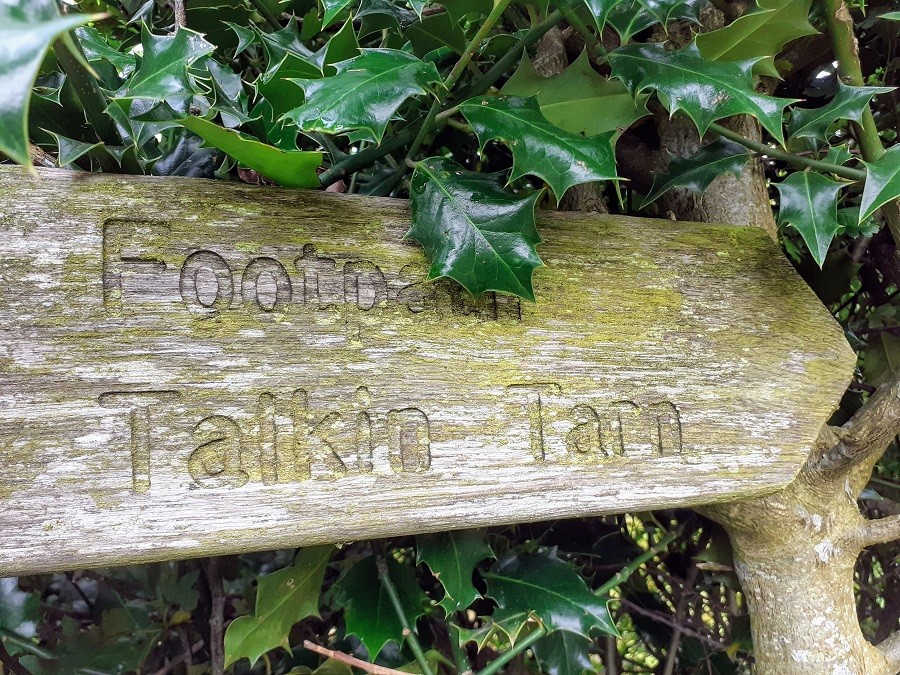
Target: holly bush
{"points": [[446, 103]]}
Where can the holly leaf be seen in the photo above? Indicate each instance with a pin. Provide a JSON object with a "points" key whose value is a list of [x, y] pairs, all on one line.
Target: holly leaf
{"points": [[563, 653], [848, 104], [494, 632], [472, 229], [759, 34], [882, 182], [630, 18], [368, 611], [697, 172], [69, 149], [296, 169], [282, 599], [96, 48], [452, 558], [809, 205], [331, 9], [364, 94], [27, 29], [703, 90], [539, 148], [578, 100], [163, 73], [600, 10], [551, 589], [852, 226]]}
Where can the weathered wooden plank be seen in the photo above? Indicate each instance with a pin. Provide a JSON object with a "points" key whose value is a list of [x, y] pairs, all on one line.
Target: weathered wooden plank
{"points": [[192, 368]]}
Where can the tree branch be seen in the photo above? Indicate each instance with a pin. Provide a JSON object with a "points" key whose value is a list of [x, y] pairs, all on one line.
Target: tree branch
{"points": [[877, 531], [890, 648], [216, 618], [866, 434], [365, 666]]}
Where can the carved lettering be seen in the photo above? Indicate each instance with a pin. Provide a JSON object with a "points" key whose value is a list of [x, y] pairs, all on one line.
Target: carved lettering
{"points": [[217, 460], [140, 404], [665, 428], [585, 437], [206, 281], [122, 239], [409, 440], [252, 287], [535, 409], [364, 285], [323, 284]]}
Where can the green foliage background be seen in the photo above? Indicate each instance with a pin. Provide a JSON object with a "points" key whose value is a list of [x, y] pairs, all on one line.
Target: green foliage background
{"points": [[441, 103]]}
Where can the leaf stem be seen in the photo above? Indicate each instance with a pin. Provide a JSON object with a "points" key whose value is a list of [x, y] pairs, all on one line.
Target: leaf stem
{"points": [[474, 44], [846, 51], [266, 14], [798, 160], [595, 48], [506, 657], [385, 578], [622, 575]]}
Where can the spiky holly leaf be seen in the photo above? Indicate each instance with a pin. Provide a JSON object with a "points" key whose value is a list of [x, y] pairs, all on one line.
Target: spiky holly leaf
{"points": [[848, 104], [472, 229], [369, 614], [703, 90], [551, 589], [563, 653], [163, 73], [539, 148], [809, 204], [631, 17], [27, 29], [507, 630], [759, 34], [452, 557], [295, 169], [331, 9], [68, 149], [697, 172], [282, 599], [882, 182], [364, 94], [578, 99], [600, 10]]}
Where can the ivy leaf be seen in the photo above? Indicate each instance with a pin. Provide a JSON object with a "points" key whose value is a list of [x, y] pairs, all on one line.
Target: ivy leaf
{"points": [[539, 148], [882, 182], [364, 94], [27, 29], [282, 599], [452, 557], [295, 169], [472, 229], [369, 613], [551, 589], [578, 99], [759, 34], [563, 653], [704, 90], [809, 205], [697, 172], [163, 73], [848, 104]]}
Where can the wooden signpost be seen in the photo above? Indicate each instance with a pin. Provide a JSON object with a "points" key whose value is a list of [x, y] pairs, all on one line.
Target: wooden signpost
{"points": [[193, 368]]}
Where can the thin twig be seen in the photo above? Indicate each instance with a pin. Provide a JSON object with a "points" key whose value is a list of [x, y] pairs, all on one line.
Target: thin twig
{"points": [[672, 653], [631, 607], [385, 578], [371, 668], [216, 617], [10, 662], [180, 15]]}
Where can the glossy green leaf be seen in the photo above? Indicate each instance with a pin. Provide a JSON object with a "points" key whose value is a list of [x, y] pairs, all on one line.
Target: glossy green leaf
{"points": [[848, 104], [890, 16], [436, 31], [539, 148], [563, 653], [331, 9], [27, 29], [452, 558], [809, 204], [551, 589], [630, 17], [578, 99], [369, 614], [96, 48], [472, 229], [759, 34], [460, 9], [882, 182], [343, 45], [508, 630], [600, 10], [69, 149], [697, 172], [364, 94], [851, 225], [703, 90], [295, 169], [282, 599], [163, 73]]}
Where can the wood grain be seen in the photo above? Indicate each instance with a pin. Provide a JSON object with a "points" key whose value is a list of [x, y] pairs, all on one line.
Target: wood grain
{"points": [[195, 368]]}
